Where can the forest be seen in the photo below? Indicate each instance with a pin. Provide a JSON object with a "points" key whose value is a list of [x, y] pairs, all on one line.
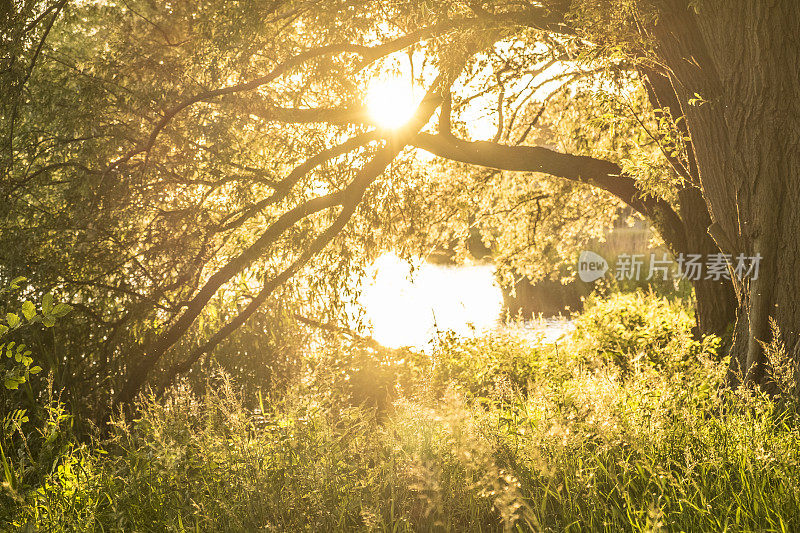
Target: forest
{"points": [[399, 265]]}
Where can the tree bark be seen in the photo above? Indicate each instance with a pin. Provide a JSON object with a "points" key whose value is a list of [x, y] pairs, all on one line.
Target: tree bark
{"points": [[739, 64], [715, 301]]}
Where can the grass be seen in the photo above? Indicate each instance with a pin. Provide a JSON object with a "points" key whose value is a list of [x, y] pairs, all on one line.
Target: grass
{"points": [[616, 431]]}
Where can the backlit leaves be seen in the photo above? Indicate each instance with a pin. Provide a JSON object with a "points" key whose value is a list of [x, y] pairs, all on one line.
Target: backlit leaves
{"points": [[16, 355]]}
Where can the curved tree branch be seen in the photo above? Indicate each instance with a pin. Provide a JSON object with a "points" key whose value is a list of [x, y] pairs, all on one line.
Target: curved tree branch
{"points": [[284, 186], [598, 173]]}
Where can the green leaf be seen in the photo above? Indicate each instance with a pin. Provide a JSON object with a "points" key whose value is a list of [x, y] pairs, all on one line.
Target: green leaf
{"points": [[35, 369], [48, 321], [47, 303], [697, 100], [28, 310], [61, 310], [13, 320], [16, 282]]}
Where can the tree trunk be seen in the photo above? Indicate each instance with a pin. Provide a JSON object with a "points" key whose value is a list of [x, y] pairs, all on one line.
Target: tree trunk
{"points": [[715, 301], [715, 308], [739, 63]]}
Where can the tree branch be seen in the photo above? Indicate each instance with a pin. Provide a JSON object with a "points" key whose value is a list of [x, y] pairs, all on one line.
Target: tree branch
{"points": [[284, 186], [328, 115], [349, 198], [255, 83], [598, 173]]}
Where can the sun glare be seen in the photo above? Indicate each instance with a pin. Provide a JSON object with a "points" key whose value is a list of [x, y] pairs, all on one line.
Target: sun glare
{"points": [[391, 101]]}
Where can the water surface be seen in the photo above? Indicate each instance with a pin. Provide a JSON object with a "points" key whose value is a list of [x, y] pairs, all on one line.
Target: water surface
{"points": [[407, 310]]}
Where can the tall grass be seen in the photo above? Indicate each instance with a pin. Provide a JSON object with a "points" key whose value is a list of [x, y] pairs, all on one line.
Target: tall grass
{"points": [[491, 434]]}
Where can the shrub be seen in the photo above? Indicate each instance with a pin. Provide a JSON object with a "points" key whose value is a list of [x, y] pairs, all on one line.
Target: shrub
{"points": [[639, 328], [496, 363], [359, 373], [34, 430]]}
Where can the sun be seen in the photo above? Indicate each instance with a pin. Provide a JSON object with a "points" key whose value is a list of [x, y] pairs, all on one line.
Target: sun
{"points": [[391, 101]]}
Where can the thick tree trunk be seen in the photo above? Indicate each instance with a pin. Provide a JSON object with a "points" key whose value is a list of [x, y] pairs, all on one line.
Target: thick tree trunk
{"points": [[739, 62], [715, 307]]}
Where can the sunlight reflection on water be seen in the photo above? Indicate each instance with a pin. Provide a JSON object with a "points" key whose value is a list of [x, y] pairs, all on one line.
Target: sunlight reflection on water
{"points": [[407, 312]]}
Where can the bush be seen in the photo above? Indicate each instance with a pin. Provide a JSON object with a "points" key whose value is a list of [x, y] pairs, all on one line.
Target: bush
{"points": [[491, 365], [34, 430], [639, 328], [358, 373]]}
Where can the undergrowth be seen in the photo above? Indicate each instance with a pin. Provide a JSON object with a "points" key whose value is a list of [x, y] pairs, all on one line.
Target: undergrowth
{"points": [[624, 428]]}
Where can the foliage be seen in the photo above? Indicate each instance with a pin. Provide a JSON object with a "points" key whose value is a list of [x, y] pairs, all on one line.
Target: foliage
{"points": [[32, 433], [267, 353], [162, 166], [483, 366], [18, 367], [154, 152], [641, 328], [530, 224], [132, 181]]}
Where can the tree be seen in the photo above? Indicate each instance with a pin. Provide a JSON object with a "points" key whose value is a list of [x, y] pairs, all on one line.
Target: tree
{"points": [[145, 189], [725, 72], [228, 148]]}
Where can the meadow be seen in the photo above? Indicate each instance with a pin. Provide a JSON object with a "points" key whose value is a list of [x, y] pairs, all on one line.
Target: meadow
{"points": [[625, 426]]}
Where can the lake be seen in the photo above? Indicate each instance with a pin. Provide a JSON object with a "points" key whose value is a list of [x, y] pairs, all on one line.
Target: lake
{"points": [[407, 310]]}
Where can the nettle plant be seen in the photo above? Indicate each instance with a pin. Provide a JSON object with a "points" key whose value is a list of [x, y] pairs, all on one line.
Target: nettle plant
{"points": [[17, 362]]}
